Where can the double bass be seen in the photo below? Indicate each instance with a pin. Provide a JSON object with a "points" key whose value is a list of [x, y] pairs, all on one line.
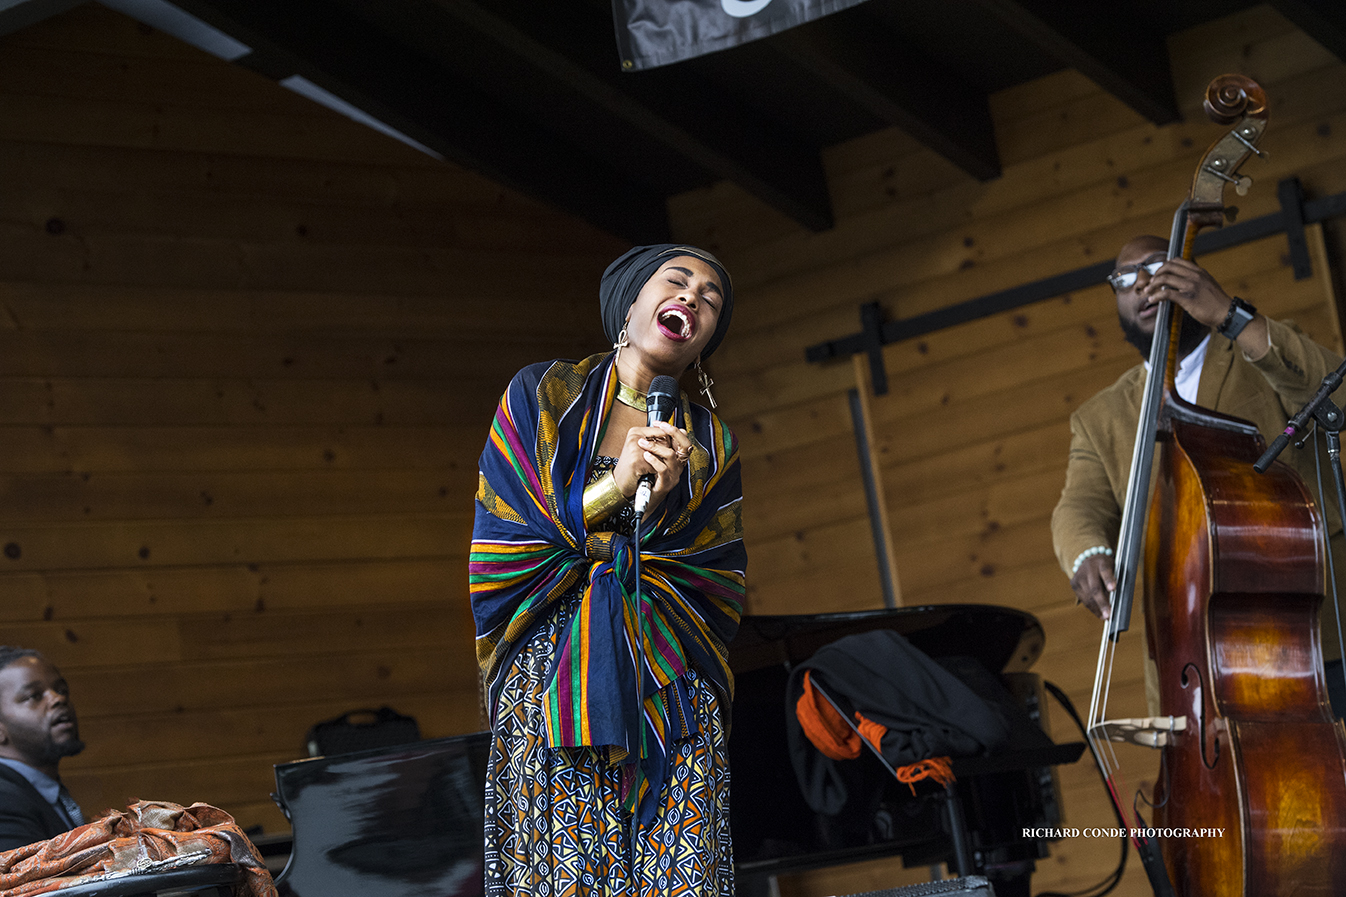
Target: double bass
{"points": [[1251, 793]]}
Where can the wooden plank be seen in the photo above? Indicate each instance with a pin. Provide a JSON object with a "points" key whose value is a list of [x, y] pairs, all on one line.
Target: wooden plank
{"points": [[883, 167], [28, 199], [986, 554], [975, 512], [208, 216], [1325, 277], [467, 357], [1076, 120], [106, 401], [980, 463], [304, 493], [133, 170], [1034, 588], [198, 79], [101, 642], [297, 633], [156, 308], [804, 553], [63, 595], [904, 437], [824, 487], [1056, 89], [833, 586], [783, 345], [99, 29], [130, 123], [225, 264], [144, 449], [151, 543], [255, 730], [788, 427], [1259, 42], [361, 676]]}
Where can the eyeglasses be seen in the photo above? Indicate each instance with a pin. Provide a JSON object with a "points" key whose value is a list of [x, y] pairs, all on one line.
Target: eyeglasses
{"points": [[1126, 276]]}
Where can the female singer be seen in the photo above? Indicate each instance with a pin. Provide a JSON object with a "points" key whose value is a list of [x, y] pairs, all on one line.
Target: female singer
{"points": [[609, 702]]}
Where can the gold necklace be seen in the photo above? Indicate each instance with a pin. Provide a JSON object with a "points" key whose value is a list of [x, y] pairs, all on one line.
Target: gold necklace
{"points": [[628, 396]]}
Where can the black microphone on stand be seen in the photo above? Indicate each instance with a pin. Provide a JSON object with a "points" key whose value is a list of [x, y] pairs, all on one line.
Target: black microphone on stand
{"points": [[1301, 420], [660, 403]]}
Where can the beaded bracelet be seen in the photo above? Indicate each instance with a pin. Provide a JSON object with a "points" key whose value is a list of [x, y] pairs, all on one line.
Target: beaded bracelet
{"points": [[601, 498], [1088, 553]]}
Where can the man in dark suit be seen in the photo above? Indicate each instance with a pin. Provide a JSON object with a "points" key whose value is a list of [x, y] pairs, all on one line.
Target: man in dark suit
{"points": [[37, 728]]}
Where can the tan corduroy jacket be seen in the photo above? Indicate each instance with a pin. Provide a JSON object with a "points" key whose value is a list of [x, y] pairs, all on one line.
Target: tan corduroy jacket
{"points": [[1266, 392]]}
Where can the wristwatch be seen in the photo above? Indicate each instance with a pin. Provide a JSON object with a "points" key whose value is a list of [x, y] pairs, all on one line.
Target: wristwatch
{"points": [[1240, 314]]}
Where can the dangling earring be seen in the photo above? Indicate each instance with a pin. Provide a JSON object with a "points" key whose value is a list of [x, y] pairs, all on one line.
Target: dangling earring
{"points": [[621, 343], [706, 383]]}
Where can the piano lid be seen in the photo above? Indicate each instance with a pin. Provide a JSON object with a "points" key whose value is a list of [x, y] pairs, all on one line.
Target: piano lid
{"points": [[1004, 639]]}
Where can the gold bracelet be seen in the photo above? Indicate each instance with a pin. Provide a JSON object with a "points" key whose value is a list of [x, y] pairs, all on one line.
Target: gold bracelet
{"points": [[601, 498]]}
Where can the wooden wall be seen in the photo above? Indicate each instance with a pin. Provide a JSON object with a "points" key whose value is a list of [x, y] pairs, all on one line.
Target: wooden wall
{"points": [[972, 437], [248, 354]]}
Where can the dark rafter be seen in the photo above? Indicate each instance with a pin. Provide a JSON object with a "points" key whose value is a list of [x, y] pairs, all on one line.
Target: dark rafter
{"points": [[530, 92], [902, 87], [1119, 53], [574, 43], [436, 107], [1322, 20]]}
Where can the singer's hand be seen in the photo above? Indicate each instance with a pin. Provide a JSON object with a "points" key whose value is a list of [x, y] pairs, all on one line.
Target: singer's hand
{"points": [[662, 451], [1092, 583]]}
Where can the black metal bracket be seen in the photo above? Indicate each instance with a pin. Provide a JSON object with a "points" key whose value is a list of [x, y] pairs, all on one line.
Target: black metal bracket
{"points": [[1294, 214], [1291, 195]]}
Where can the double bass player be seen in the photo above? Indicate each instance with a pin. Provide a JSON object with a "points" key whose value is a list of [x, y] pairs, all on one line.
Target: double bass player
{"points": [[1232, 359]]}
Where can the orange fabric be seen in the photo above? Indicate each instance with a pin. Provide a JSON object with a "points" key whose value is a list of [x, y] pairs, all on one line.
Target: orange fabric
{"points": [[146, 831], [938, 768], [824, 726], [871, 731]]}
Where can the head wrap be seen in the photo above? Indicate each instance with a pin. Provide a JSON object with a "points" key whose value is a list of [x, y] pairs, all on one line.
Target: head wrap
{"points": [[623, 279]]}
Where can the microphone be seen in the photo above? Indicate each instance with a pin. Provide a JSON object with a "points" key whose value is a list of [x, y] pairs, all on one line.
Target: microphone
{"points": [[1301, 420], [660, 403]]}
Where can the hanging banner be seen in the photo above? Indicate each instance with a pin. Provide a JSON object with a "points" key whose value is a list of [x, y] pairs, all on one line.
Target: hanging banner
{"points": [[651, 33]]}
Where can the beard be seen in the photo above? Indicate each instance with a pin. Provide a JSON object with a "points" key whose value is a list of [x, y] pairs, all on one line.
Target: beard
{"points": [[46, 750], [54, 750], [1193, 332]]}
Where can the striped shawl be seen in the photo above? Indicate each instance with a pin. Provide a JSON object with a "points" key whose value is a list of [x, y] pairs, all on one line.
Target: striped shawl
{"points": [[617, 681]]}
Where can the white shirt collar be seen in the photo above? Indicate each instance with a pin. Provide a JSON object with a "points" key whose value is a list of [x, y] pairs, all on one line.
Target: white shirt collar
{"points": [[1188, 378]]}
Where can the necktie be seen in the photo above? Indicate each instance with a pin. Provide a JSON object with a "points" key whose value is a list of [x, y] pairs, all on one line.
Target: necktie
{"points": [[72, 810]]}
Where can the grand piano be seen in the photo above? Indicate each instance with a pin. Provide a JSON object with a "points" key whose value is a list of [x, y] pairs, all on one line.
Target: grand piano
{"points": [[407, 820]]}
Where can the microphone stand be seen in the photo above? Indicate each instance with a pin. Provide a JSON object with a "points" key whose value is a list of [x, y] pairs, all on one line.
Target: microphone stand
{"points": [[1329, 418]]}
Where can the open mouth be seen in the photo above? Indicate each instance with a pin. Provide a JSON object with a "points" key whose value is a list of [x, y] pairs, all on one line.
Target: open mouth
{"points": [[675, 323]]}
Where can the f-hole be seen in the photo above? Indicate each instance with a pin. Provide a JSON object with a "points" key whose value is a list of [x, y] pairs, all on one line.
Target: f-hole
{"points": [[1210, 742]]}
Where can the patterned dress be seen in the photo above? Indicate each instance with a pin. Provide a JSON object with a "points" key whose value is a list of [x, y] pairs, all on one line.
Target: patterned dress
{"points": [[555, 825]]}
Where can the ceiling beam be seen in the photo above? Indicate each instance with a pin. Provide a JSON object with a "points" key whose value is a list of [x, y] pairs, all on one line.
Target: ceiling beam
{"points": [[1121, 55], [1322, 20], [435, 107], [899, 85], [19, 14], [573, 42]]}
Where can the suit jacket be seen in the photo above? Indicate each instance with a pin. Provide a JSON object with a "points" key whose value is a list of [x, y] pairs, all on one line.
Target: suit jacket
{"points": [[24, 816], [1266, 392]]}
